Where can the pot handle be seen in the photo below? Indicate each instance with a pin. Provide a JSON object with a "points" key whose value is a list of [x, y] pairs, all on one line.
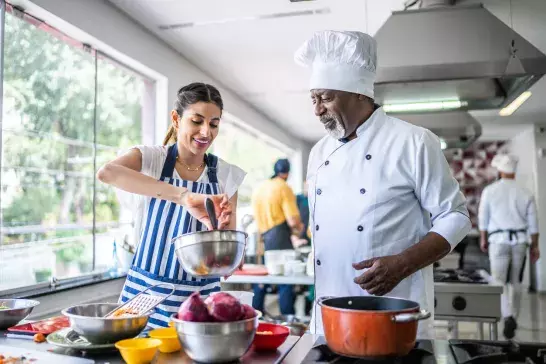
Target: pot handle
{"points": [[323, 298], [410, 317]]}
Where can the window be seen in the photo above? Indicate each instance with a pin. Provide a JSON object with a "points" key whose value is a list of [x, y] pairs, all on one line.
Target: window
{"points": [[250, 151], [67, 109]]}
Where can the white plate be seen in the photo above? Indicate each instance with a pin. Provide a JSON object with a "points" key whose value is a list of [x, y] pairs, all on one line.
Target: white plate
{"points": [[59, 338]]}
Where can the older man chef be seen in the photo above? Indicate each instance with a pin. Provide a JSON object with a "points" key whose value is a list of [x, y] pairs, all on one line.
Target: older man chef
{"points": [[384, 205], [507, 218]]}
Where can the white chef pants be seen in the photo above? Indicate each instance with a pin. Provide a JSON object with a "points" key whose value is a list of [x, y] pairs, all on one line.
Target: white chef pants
{"points": [[507, 264]]}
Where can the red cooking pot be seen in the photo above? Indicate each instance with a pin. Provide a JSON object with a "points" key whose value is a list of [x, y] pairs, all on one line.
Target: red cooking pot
{"points": [[370, 326]]}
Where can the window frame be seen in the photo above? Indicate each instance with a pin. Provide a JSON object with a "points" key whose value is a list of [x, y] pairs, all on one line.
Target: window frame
{"points": [[149, 123]]}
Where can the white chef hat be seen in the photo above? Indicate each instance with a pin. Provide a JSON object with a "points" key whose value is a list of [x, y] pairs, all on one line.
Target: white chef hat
{"points": [[505, 163], [340, 60]]}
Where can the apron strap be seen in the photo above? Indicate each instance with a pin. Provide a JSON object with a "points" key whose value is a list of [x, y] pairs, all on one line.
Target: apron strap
{"points": [[511, 232], [170, 162], [212, 163]]}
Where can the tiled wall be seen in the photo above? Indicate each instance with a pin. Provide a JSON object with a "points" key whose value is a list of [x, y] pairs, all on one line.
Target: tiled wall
{"points": [[472, 169]]}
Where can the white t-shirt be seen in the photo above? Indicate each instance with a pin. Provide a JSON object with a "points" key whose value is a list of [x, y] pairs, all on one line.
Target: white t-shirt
{"points": [[230, 177]]}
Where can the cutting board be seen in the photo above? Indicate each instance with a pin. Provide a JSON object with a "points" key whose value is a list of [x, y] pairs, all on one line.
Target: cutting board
{"points": [[41, 357], [252, 270], [45, 327]]}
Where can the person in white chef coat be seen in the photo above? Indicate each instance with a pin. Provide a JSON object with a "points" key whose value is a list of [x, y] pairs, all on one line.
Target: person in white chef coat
{"points": [[384, 204], [508, 226]]}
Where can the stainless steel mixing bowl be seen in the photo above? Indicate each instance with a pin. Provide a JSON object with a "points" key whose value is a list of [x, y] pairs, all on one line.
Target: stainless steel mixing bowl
{"points": [[18, 310], [216, 342], [210, 254], [88, 321]]}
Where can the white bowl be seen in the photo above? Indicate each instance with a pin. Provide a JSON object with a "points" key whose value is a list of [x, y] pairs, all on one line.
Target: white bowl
{"points": [[273, 256], [294, 267], [299, 269], [274, 268], [289, 255]]}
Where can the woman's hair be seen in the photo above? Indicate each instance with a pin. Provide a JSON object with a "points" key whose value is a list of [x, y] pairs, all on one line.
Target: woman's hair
{"points": [[189, 95]]}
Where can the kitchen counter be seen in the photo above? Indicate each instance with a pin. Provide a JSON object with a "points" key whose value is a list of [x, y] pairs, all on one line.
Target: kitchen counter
{"points": [[302, 279], [114, 357], [293, 351]]}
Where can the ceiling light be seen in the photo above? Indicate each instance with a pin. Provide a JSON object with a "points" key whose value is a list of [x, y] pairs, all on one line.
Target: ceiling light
{"points": [[290, 14], [425, 106], [509, 110]]}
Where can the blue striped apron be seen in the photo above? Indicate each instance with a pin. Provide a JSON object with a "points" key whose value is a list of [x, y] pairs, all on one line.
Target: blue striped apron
{"points": [[155, 261]]}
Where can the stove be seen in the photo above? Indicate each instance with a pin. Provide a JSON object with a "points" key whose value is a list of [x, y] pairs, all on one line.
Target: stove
{"points": [[312, 349], [423, 353], [459, 276], [498, 352], [466, 294]]}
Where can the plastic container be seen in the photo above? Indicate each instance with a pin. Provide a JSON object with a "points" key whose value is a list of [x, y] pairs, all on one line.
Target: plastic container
{"points": [[274, 268], [297, 268]]}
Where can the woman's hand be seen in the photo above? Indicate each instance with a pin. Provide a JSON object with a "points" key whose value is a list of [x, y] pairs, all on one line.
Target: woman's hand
{"points": [[195, 203]]}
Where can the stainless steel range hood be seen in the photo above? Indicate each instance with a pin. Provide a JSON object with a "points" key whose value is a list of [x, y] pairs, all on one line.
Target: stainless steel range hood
{"points": [[453, 53], [458, 129]]}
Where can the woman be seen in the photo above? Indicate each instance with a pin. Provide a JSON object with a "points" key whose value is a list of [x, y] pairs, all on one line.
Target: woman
{"points": [[176, 179]]}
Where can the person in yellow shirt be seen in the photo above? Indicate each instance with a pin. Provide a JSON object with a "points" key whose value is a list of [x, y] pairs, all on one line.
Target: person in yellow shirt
{"points": [[278, 219]]}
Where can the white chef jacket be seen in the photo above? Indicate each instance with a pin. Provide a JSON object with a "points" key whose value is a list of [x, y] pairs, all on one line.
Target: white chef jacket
{"points": [[377, 195], [504, 205]]}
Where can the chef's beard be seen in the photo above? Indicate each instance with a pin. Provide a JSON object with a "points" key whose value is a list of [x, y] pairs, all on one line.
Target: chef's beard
{"points": [[334, 127]]}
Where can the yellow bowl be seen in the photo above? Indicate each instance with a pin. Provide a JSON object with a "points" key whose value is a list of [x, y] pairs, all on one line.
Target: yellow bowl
{"points": [[138, 351], [169, 339]]}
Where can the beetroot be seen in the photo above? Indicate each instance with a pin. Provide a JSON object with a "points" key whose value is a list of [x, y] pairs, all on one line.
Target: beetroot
{"points": [[224, 307], [194, 309], [248, 312]]}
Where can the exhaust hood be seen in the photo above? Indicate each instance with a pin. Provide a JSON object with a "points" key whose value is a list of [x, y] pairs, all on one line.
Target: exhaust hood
{"points": [[457, 129], [453, 54]]}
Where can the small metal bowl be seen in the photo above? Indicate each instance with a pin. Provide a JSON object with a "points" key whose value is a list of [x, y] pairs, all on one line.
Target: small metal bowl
{"points": [[18, 310], [210, 254], [216, 342], [88, 321]]}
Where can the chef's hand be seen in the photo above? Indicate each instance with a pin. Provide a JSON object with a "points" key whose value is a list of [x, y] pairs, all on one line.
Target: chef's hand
{"points": [[383, 275], [483, 245], [195, 203], [534, 252]]}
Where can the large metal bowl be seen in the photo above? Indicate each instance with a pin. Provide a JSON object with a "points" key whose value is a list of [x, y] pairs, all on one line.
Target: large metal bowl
{"points": [[216, 342], [210, 254], [18, 310], [88, 321]]}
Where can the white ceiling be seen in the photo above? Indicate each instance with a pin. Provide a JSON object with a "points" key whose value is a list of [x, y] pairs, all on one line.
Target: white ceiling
{"points": [[254, 57]]}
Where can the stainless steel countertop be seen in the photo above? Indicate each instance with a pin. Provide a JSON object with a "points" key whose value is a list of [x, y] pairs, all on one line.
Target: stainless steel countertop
{"points": [[469, 288], [272, 279], [113, 357], [439, 287]]}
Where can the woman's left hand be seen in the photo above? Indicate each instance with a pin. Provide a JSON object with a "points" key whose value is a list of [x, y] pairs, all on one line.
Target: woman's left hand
{"points": [[195, 203]]}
